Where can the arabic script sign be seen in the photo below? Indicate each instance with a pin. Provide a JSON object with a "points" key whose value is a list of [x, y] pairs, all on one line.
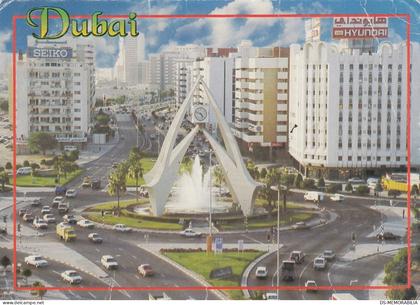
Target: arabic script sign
{"points": [[360, 27]]}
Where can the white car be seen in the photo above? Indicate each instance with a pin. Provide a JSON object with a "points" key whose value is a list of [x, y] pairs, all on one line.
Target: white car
{"points": [[84, 223], [71, 193], [57, 200], [71, 277], [109, 262], [49, 218], [329, 255], [45, 210], [261, 272], [270, 296], [36, 261], [337, 197], [121, 228], [39, 223], [311, 286], [190, 233], [320, 263]]}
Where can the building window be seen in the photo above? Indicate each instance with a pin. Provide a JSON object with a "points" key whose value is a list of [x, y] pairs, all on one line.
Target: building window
{"points": [[340, 158]]}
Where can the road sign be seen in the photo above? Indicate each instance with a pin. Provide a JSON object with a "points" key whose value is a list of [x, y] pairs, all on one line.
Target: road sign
{"points": [[240, 245], [218, 242]]}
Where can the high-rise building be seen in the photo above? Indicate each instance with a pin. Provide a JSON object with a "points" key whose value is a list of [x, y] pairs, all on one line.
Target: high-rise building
{"points": [[128, 68], [183, 78], [348, 108], [55, 89], [261, 98]]}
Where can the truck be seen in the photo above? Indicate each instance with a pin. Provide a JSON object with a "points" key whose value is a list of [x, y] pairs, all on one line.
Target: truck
{"points": [[314, 196], [288, 270], [65, 232]]}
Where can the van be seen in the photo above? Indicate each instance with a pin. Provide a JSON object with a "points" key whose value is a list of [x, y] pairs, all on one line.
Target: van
{"points": [[24, 171], [314, 196]]}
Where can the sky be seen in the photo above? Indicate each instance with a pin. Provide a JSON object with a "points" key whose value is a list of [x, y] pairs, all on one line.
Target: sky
{"points": [[163, 33]]}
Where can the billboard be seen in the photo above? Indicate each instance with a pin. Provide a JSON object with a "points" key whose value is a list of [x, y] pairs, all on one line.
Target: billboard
{"points": [[360, 27], [34, 52]]}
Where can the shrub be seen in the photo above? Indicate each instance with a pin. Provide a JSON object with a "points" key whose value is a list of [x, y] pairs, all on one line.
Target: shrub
{"points": [[298, 181], [8, 165], [43, 162], [26, 163], [362, 190], [321, 182], [349, 187], [334, 188], [309, 183]]}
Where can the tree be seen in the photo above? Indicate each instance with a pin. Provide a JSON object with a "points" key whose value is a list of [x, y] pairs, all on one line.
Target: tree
{"points": [[349, 187], [321, 183], [26, 163], [252, 169], [135, 170], [39, 291], [219, 177], [362, 190], [263, 172], [333, 188], [4, 178], [414, 190], [4, 105], [5, 261], [309, 184], [270, 180], [26, 273], [8, 166], [41, 141], [59, 166], [117, 182], [298, 181]]}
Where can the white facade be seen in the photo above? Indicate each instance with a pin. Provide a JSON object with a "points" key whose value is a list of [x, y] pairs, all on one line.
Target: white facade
{"points": [[183, 78], [128, 68], [261, 97], [53, 94], [350, 108], [218, 74]]}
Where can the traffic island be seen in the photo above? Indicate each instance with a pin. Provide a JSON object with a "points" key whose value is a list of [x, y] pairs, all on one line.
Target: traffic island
{"points": [[218, 269], [46, 181]]}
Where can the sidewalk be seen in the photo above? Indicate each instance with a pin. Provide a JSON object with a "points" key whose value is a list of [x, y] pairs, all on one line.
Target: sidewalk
{"points": [[377, 294], [366, 250]]}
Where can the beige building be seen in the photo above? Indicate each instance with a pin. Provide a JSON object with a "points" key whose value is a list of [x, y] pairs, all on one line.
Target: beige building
{"points": [[261, 99]]}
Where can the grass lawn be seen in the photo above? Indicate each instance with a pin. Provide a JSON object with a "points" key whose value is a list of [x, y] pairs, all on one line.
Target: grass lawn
{"points": [[147, 164], [202, 263], [290, 204], [123, 204], [266, 223], [28, 180], [134, 222]]}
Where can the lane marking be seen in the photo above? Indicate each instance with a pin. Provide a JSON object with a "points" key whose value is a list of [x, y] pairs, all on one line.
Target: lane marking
{"points": [[92, 295]]}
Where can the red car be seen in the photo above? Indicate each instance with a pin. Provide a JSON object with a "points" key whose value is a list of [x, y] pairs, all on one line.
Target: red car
{"points": [[145, 270]]}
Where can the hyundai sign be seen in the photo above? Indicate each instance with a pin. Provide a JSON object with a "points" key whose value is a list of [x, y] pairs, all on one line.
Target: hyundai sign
{"points": [[49, 52], [360, 27]]}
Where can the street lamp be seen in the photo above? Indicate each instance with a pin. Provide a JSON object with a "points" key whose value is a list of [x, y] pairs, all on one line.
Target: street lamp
{"points": [[278, 189]]}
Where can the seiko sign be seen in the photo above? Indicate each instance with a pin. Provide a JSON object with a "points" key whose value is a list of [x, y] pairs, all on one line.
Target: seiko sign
{"points": [[49, 52]]}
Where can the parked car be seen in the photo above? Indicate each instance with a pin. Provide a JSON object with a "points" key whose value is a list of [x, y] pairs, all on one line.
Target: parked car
{"points": [[57, 200], [70, 219], [28, 217], [95, 238], [45, 210], [39, 223], [71, 277], [109, 262], [387, 236], [337, 197], [320, 263], [297, 256], [311, 286], [85, 223], [145, 270], [261, 272], [36, 261], [329, 255], [49, 218], [71, 193], [190, 233], [24, 171], [36, 202], [63, 207], [121, 228]]}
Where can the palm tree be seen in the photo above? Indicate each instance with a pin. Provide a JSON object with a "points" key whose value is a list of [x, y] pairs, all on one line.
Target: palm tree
{"points": [[59, 166], [135, 170], [117, 182], [39, 292]]}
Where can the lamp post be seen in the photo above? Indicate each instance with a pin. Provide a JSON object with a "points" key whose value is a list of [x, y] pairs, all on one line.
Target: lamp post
{"points": [[277, 188], [210, 237]]}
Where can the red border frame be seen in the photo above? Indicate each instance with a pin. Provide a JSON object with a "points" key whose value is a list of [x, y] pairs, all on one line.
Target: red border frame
{"points": [[282, 288]]}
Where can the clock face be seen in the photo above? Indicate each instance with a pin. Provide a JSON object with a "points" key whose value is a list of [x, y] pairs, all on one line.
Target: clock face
{"points": [[200, 114]]}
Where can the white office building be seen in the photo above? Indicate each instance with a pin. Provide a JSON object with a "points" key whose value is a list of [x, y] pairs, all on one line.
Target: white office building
{"points": [[349, 108], [129, 68], [261, 98], [55, 89]]}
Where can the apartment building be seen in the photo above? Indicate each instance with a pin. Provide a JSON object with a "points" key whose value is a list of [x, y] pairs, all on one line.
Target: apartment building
{"points": [[349, 106], [55, 89], [261, 99]]}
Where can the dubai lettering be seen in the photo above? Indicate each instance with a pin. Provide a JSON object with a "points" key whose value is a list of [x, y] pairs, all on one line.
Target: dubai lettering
{"points": [[43, 19]]}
